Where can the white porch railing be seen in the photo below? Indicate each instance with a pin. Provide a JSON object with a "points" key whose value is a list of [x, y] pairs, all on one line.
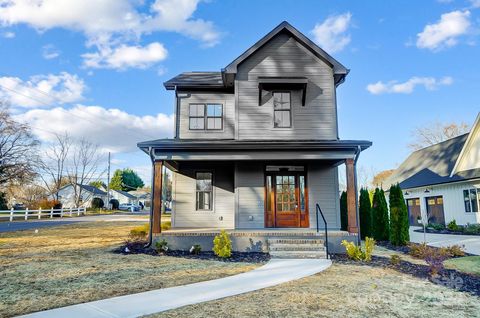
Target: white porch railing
{"points": [[38, 214]]}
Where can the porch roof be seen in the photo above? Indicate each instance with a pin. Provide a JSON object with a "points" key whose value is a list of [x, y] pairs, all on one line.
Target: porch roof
{"points": [[183, 150]]}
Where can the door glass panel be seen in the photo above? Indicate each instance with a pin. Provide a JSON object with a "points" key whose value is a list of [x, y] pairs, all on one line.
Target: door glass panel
{"points": [[269, 193], [301, 187], [285, 196]]}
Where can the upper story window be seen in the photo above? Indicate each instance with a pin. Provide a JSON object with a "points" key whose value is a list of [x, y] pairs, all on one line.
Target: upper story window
{"points": [[471, 198], [205, 117], [282, 110]]}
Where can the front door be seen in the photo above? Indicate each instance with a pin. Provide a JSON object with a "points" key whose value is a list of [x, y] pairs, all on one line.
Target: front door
{"points": [[286, 200]]}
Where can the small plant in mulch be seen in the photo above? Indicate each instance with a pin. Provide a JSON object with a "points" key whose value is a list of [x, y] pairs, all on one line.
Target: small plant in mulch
{"points": [[395, 260], [222, 245], [195, 249], [356, 253], [161, 247]]}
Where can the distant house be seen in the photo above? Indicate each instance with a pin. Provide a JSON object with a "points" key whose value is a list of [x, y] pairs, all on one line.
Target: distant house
{"points": [[443, 180], [123, 196], [143, 197], [66, 195]]}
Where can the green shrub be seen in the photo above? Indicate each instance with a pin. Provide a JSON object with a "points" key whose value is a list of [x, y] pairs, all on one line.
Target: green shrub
{"points": [[472, 229], [161, 246], [365, 212], [97, 203], [222, 245], [356, 253], [452, 226], [195, 249], [380, 223], [436, 227], [399, 224], [139, 233], [395, 259], [3, 201]]}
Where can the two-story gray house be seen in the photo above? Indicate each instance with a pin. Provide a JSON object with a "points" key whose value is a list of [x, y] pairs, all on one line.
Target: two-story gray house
{"points": [[256, 147]]}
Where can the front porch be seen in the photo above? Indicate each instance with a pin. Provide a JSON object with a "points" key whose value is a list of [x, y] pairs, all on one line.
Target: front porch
{"points": [[249, 240]]}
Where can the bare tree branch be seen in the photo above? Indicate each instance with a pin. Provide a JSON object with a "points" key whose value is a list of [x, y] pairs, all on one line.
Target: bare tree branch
{"points": [[435, 133]]}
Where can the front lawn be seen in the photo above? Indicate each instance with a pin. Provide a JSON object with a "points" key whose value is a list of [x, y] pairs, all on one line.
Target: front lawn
{"points": [[342, 291], [468, 264], [72, 264]]}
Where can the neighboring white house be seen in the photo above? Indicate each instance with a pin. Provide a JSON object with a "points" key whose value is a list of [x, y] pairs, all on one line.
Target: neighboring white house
{"points": [[443, 180], [123, 197], [66, 195]]}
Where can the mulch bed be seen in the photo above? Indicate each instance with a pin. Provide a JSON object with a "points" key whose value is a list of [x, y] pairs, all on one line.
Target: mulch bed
{"points": [[448, 277], [445, 231], [237, 257]]}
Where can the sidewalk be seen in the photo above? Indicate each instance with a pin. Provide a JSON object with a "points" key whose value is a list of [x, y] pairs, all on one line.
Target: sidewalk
{"points": [[276, 271]]}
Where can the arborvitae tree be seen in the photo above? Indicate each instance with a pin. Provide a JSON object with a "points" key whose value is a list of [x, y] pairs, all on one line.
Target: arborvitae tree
{"points": [[380, 221], [343, 211], [365, 211], [3, 201], [399, 224]]}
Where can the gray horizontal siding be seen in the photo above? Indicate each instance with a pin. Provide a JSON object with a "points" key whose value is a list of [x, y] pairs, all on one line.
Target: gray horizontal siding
{"points": [[250, 195], [184, 213], [228, 102], [324, 190], [283, 56]]}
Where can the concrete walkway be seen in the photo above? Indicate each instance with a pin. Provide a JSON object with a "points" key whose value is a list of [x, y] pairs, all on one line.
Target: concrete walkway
{"points": [[471, 242], [275, 272]]}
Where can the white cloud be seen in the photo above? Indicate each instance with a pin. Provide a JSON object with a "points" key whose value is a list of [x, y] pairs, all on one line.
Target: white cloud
{"points": [[331, 34], [99, 125], [445, 32], [394, 87], [123, 56], [8, 35], [475, 4], [42, 90], [49, 52], [100, 18]]}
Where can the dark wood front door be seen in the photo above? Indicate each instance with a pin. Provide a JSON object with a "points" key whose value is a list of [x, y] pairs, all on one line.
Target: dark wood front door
{"points": [[435, 210], [414, 211], [286, 200]]}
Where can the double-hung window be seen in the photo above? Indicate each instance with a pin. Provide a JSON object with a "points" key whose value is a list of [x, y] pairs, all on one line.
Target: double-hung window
{"points": [[205, 117], [471, 198], [282, 110], [204, 191]]}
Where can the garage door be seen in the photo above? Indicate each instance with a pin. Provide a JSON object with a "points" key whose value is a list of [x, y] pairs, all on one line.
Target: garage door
{"points": [[435, 210], [414, 211]]}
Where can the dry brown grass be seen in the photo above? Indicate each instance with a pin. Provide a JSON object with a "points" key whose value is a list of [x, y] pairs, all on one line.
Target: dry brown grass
{"points": [[71, 264], [342, 291]]}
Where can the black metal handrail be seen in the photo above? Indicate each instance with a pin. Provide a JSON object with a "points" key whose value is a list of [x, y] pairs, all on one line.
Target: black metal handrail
{"points": [[319, 210]]}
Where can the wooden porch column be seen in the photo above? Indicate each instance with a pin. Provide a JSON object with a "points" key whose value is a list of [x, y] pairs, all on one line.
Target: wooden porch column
{"points": [[157, 197], [351, 197]]}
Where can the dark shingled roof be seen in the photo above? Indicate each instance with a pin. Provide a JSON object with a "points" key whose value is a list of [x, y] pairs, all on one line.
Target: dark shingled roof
{"points": [[196, 79], [128, 195], [432, 165], [92, 189]]}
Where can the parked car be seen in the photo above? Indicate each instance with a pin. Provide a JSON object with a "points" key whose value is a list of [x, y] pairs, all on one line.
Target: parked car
{"points": [[129, 207], [19, 206]]}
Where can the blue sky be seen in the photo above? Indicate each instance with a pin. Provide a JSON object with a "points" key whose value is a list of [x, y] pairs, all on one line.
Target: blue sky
{"points": [[420, 59]]}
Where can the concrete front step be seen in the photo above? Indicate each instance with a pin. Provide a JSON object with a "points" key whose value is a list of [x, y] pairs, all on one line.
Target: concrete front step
{"points": [[297, 247], [298, 254], [296, 241]]}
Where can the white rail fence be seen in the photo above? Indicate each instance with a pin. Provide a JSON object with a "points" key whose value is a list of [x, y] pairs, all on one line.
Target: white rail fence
{"points": [[38, 214]]}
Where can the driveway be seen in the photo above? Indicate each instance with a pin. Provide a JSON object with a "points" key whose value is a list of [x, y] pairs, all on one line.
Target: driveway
{"points": [[471, 242], [36, 224]]}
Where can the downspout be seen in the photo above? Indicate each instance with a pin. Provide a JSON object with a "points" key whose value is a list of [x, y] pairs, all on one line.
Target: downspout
{"points": [[357, 212], [150, 236]]}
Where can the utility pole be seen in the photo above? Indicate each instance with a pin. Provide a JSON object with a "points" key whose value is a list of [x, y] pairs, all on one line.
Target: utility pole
{"points": [[108, 181]]}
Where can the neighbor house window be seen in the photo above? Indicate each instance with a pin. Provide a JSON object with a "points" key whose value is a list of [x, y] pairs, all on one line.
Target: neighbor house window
{"points": [[282, 110], [471, 198], [204, 191], [205, 117]]}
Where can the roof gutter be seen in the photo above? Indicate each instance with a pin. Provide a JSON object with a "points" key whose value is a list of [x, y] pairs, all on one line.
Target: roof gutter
{"points": [[150, 236]]}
